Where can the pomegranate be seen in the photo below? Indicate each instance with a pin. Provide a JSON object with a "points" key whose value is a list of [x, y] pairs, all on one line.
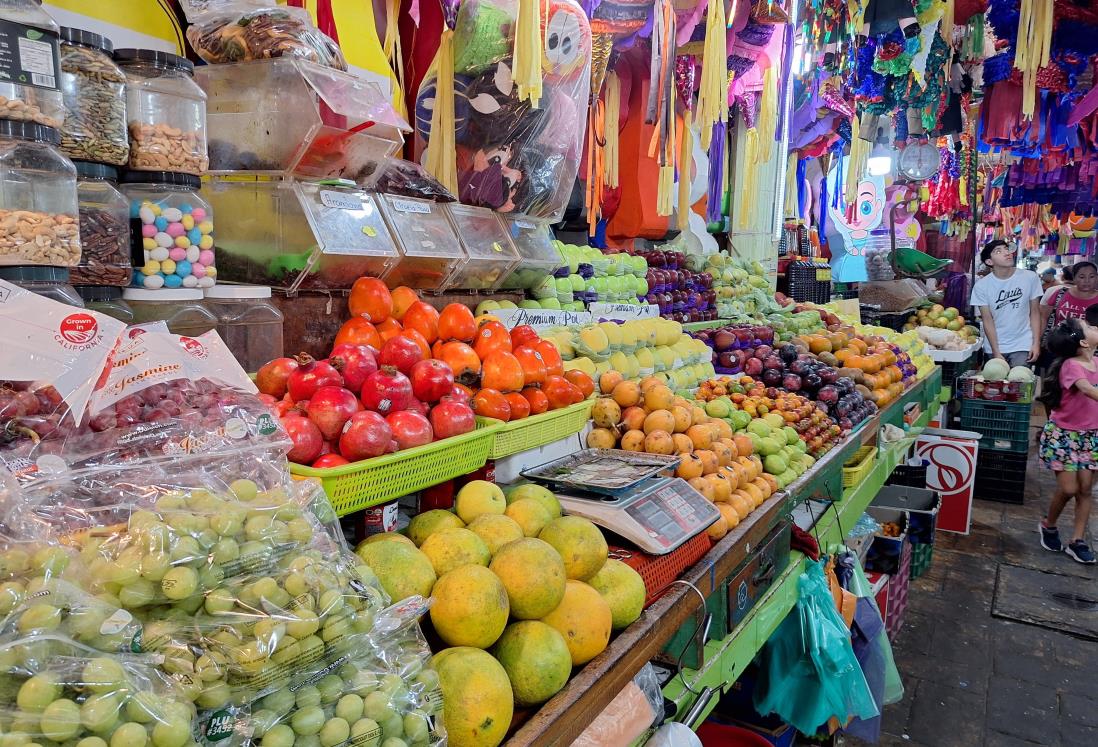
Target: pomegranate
{"points": [[410, 429], [401, 352], [310, 375], [271, 377], [459, 394], [417, 406], [306, 438], [452, 418], [354, 363], [329, 460], [365, 435], [387, 390], [330, 407], [431, 380]]}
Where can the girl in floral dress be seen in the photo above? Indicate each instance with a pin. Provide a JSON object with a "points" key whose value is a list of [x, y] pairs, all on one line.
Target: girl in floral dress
{"points": [[1069, 441]]}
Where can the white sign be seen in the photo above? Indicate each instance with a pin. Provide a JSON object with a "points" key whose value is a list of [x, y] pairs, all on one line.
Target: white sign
{"points": [[540, 318], [340, 200], [623, 312], [409, 206]]}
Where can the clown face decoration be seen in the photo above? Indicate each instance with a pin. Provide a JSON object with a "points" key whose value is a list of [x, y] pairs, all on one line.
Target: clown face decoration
{"points": [[850, 236], [567, 35]]}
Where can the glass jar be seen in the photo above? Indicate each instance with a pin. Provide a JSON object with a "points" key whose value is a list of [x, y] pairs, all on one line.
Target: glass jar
{"points": [[94, 93], [181, 309], [49, 282], [38, 216], [171, 230], [166, 112], [104, 228], [248, 322], [106, 299], [37, 96]]}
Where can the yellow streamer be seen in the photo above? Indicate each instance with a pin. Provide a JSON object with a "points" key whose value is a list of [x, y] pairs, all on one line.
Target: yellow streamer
{"points": [[768, 114], [750, 157], [1033, 47], [441, 156], [528, 51], [686, 155], [791, 206], [713, 88], [610, 157]]}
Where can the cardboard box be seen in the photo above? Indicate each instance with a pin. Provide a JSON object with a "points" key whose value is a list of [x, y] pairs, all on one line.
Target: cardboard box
{"points": [[951, 472]]}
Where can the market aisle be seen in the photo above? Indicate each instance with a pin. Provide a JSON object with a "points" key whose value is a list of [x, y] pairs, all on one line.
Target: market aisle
{"points": [[973, 677]]}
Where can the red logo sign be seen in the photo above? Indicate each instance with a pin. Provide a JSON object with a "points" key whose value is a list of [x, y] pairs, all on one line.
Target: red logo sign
{"points": [[134, 332], [193, 346], [79, 329]]}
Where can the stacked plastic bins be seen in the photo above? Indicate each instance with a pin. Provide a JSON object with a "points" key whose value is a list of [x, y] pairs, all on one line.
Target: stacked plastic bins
{"points": [[1004, 442]]}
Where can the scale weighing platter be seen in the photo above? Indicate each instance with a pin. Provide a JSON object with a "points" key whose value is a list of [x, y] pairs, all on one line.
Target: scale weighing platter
{"points": [[658, 515], [609, 471]]}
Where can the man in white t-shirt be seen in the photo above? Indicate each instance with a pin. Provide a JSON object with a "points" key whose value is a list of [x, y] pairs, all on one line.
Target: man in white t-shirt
{"points": [[1008, 298]]}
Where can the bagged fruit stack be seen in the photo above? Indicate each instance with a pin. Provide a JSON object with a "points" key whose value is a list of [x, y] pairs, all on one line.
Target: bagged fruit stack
{"points": [[520, 596], [164, 580], [588, 276]]}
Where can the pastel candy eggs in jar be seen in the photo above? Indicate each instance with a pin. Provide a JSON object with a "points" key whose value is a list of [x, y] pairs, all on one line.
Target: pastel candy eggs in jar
{"points": [[172, 231]]}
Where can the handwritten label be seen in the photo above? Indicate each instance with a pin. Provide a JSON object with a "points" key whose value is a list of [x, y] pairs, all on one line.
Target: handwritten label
{"points": [[340, 200], [614, 312], [525, 224], [541, 318], [408, 206]]}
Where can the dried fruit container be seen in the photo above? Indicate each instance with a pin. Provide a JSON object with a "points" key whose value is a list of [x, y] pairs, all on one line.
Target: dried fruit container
{"points": [[248, 322], [50, 282], [94, 93], [165, 112], [33, 32], [38, 211], [180, 308], [489, 253], [104, 228], [171, 230], [301, 235], [538, 254], [430, 252]]}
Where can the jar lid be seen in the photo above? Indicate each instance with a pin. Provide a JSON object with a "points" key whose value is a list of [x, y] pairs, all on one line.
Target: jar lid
{"points": [[171, 178], [162, 294], [35, 274], [86, 39], [156, 57], [29, 131], [99, 293], [92, 170], [233, 292]]}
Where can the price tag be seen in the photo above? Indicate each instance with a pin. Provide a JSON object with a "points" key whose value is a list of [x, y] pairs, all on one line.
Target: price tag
{"points": [[541, 318], [614, 312], [525, 224], [340, 200], [408, 206]]}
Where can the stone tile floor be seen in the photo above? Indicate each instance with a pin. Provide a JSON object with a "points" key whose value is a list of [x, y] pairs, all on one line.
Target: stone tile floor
{"points": [[975, 680]]}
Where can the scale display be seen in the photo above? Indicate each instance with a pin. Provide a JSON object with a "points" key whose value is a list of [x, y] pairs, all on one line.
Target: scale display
{"points": [[657, 516]]}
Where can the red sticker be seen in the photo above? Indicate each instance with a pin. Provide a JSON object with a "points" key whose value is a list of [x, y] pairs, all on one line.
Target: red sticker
{"points": [[79, 329]]}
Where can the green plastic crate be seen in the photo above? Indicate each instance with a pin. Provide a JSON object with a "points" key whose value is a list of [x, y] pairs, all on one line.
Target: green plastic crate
{"points": [[538, 430], [1003, 426], [921, 557], [370, 482]]}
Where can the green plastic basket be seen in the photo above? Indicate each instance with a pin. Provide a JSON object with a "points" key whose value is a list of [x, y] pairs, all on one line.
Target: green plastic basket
{"points": [[538, 430], [921, 557], [360, 485]]}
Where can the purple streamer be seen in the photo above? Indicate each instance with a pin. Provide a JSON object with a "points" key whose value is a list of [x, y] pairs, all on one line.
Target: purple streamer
{"points": [[715, 191], [784, 71]]}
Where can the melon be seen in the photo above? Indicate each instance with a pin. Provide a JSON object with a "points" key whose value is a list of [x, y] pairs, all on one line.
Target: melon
{"points": [[452, 548], [402, 570], [495, 530], [995, 369], [584, 620], [427, 523], [536, 659], [1020, 373], [470, 607], [623, 589], [580, 544], [534, 576], [477, 702]]}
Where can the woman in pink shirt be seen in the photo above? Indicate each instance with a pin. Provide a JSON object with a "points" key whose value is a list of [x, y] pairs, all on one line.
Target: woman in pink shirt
{"points": [[1062, 302], [1069, 441]]}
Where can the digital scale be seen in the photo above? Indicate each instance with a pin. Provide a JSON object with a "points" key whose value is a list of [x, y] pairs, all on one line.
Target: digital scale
{"points": [[655, 513]]}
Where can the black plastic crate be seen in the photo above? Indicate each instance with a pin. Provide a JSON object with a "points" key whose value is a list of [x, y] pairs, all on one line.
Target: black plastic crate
{"points": [[809, 281], [952, 371], [909, 476], [1001, 476]]}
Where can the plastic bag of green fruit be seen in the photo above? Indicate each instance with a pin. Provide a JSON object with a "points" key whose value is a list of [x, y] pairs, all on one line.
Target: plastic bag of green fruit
{"points": [[53, 690], [384, 693]]}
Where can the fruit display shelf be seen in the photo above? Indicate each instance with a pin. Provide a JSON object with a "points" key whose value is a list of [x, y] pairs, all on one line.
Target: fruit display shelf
{"points": [[539, 430], [562, 719]]}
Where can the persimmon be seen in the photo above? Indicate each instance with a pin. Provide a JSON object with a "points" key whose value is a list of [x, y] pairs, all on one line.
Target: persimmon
{"points": [[533, 367], [389, 328], [418, 339], [523, 334], [462, 359], [561, 392], [490, 403], [582, 381], [502, 371], [456, 322], [358, 331], [403, 298], [520, 406], [539, 403], [371, 298], [554, 366], [423, 318], [492, 337]]}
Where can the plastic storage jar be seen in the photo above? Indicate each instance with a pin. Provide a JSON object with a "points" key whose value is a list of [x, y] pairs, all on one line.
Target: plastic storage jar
{"points": [[37, 95], [94, 92], [104, 228], [181, 309], [50, 282], [166, 112], [106, 299], [38, 216], [248, 322], [171, 230]]}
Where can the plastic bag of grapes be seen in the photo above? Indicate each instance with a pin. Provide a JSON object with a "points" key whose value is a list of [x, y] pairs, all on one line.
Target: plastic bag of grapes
{"points": [[382, 692], [55, 691]]}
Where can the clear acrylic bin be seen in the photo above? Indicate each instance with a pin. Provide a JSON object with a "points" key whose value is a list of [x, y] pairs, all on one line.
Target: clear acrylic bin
{"points": [[291, 116], [430, 252], [489, 253], [538, 255], [299, 235]]}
